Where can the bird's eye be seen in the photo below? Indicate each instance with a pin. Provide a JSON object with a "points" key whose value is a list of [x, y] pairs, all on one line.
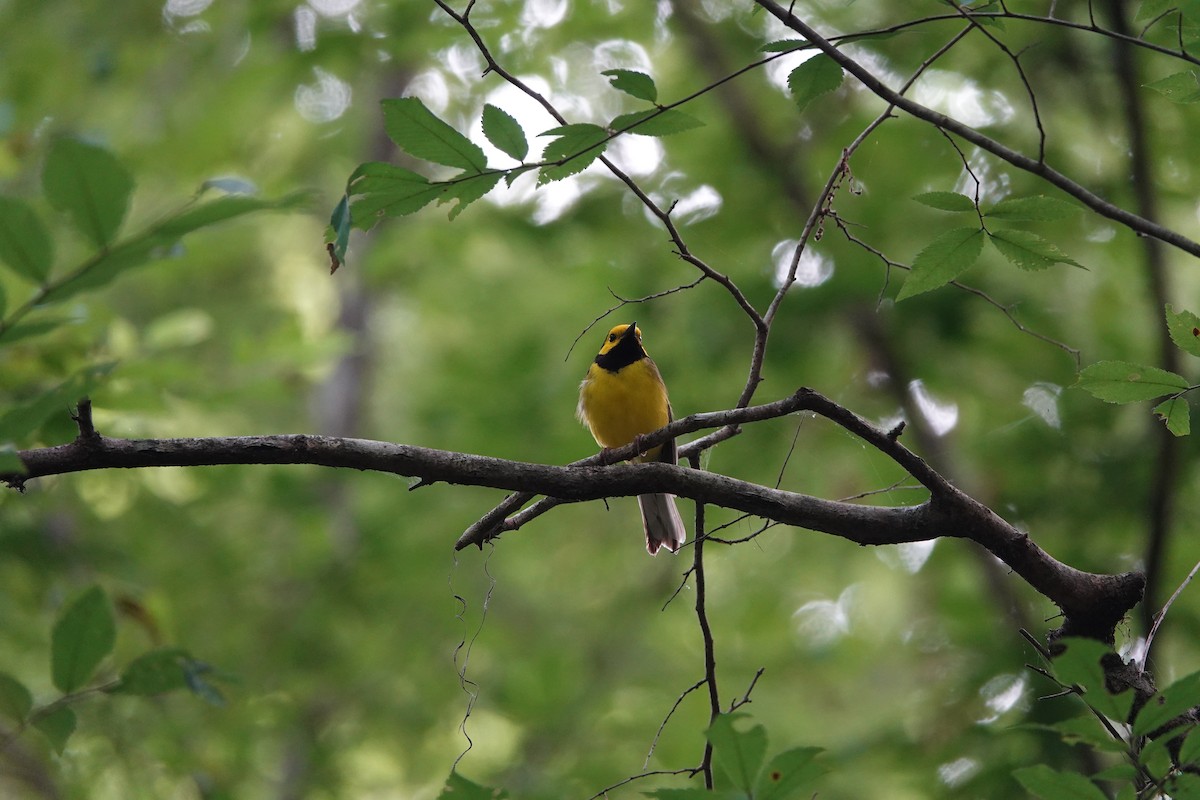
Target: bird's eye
{"points": [[612, 337]]}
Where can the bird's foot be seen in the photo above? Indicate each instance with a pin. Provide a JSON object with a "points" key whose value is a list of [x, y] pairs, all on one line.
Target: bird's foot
{"points": [[637, 444]]}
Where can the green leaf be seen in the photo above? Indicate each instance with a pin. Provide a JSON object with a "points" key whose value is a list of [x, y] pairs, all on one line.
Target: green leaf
{"points": [[943, 260], [989, 22], [1184, 327], [1189, 29], [82, 637], [459, 788], [155, 672], [1176, 413], [1124, 382], [578, 144], [1089, 731], [1184, 786], [1120, 773], [1080, 665], [638, 84], [1155, 758], [416, 130], [110, 264], [161, 240], [339, 225], [1189, 751], [1033, 208], [784, 46], [1027, 250], [15, 699], [813, 78], [1182, 87], [90, 185], [1168, 704], [387, 190], [57, 726], [1048, 784], [221, 209], [1150, 9], [504, 132], [468, 189], [20, 421], [739, 753], [790, 775], [10, 462], [28, 329], [510, 176], [946, 201], [655, 122], [25, 245]]}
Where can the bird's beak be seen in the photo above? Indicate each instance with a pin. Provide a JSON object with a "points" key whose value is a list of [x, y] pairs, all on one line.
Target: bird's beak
{"points": [[631, 330]]}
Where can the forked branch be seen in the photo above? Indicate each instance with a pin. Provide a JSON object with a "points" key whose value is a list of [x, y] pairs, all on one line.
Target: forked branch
{"points": [[1019, 160], [1093, 604]]}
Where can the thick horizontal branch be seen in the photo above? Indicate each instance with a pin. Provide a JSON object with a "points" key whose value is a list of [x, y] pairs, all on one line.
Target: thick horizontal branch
{"points": [[862, 524], [1093, 604]]}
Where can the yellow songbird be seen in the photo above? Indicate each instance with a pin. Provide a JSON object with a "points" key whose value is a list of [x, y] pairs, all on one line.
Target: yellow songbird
{"points": [[622, 398]]}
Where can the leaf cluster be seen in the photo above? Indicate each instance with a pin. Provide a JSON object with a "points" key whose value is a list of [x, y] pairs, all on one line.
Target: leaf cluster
{"points": [[954, 251], [81, 640], [1158, 746], [1124, 382], [376, 190], [92, 189]]}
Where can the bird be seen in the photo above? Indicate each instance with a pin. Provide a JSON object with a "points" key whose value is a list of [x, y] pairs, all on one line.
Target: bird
{"points": [[621, 399]]}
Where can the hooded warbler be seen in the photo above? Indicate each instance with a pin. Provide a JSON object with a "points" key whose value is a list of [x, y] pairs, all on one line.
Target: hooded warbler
{"points": [[622, 398]]}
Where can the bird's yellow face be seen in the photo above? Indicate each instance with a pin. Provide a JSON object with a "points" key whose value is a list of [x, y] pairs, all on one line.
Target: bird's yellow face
{"points": [[617, 334]]}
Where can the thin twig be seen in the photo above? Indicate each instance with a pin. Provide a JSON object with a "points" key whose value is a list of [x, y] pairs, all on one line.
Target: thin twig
{"points": [[662, 215], [890, 264], [710, 659], [820, 210], [745, 698], [1019, 160], [1162, 613], [667, 718], [1042, 651], [652, 773], [682, 585], [763, 528], [622, 302], [1033, 104], [1050, 20]]}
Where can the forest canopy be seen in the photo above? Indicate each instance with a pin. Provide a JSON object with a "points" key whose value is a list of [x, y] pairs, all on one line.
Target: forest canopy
{"points": [[293, 295]]}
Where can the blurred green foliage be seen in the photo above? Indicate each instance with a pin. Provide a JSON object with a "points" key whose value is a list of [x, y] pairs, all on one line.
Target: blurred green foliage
{"points": [[327, 601]]}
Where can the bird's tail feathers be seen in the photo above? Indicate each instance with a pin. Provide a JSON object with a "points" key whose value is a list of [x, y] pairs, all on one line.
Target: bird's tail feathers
{"points": [[660, 519]]}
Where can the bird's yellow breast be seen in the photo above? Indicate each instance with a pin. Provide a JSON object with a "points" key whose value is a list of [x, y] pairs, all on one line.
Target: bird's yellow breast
{"points": [[619, 406]]}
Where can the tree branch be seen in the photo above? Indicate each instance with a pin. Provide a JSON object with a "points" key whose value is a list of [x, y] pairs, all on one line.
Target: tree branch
{"points": [[710, 647], [996, 148], [1093, 604]]}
